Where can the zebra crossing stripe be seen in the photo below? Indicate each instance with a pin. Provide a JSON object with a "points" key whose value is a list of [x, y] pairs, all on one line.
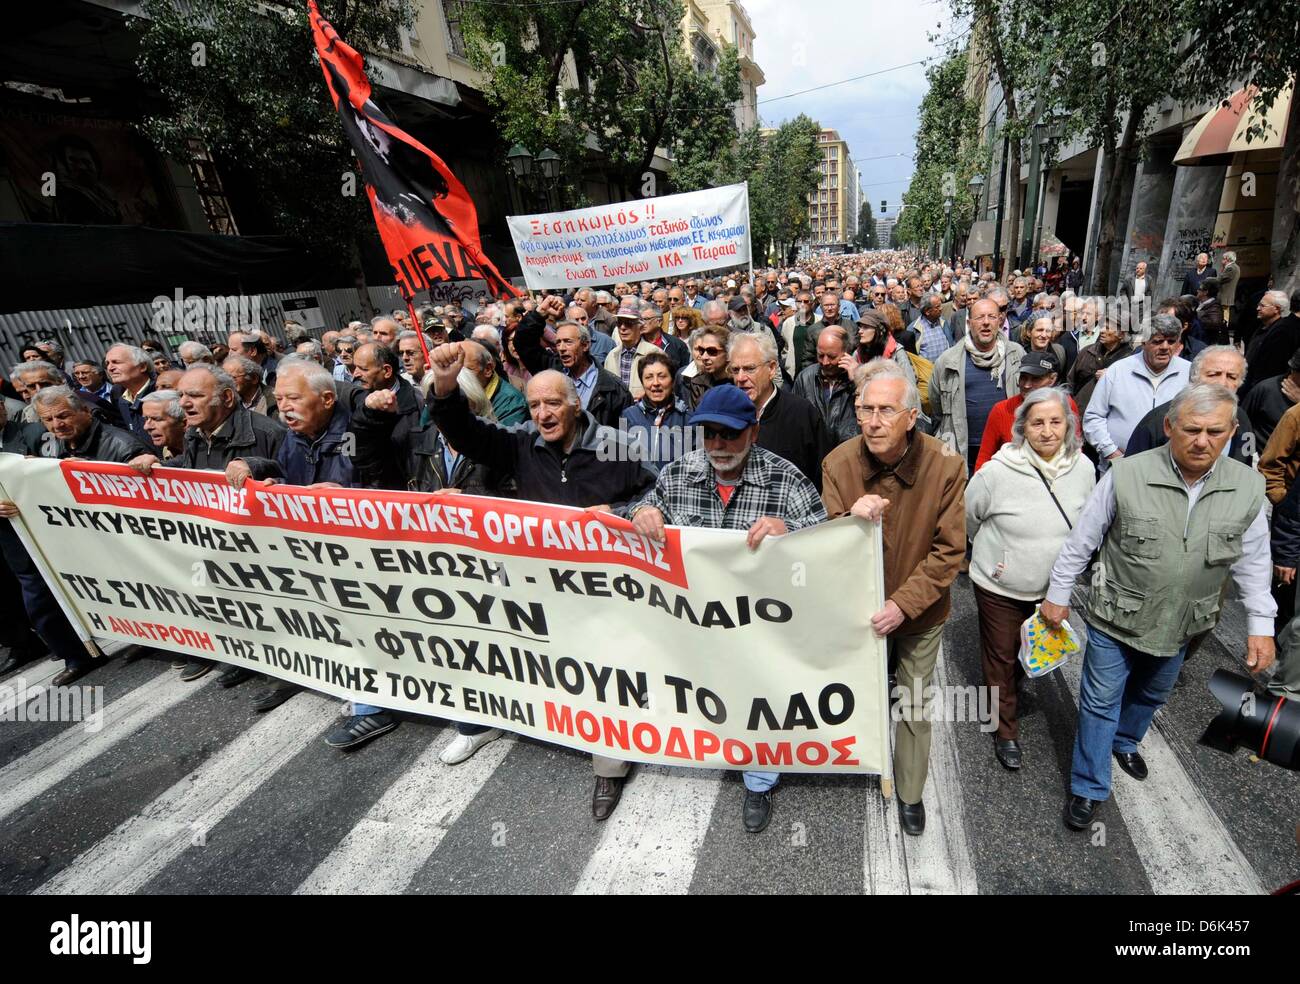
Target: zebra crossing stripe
{"points": [[140, 848], [382, 853], [49, 764], [651, 844]]}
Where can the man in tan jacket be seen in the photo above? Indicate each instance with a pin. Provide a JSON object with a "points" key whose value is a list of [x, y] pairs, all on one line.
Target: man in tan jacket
{"points": [[915, 486]]}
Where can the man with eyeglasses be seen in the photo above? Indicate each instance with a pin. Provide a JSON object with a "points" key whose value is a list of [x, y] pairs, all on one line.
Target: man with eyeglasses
{"points": [[910, 484], [652, 333], [693, 296], [732, 484], [791, 426], [1134, 386]]}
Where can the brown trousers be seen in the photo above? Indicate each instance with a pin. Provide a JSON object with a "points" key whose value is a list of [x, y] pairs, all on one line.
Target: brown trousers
{"points": [[1000, 621]]}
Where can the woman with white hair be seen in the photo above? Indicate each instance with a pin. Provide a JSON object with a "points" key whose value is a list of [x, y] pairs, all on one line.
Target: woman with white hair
{"points": [[1020, 507]]}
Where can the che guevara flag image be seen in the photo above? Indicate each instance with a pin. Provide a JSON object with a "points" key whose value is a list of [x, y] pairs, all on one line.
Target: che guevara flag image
{"points": [[427, 222]]}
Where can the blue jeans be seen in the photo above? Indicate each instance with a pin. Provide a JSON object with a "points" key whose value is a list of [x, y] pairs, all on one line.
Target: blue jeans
{"points": [[365, 710], [761, 782], [1121, 691]]}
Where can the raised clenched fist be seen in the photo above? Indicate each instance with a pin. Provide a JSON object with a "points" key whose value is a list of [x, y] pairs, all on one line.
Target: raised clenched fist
{"points": [[446, 362]]}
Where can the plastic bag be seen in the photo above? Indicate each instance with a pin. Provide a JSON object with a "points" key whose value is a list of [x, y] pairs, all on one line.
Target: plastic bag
{"points": [[1043, 649]]}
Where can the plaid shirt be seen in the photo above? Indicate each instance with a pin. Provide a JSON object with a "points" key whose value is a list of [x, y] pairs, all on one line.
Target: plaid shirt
{"points": [[687, 494]]}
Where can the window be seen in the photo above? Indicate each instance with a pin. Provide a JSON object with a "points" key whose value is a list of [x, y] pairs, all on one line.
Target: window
{"points": [[451, 12]]}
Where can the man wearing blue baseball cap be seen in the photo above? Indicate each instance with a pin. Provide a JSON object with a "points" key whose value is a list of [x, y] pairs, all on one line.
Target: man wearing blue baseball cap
{"points": [[732, 484]]}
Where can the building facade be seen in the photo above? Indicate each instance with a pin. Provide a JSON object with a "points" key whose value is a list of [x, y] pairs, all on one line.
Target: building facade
{"points": [[1202, 185], [833, 207], [709, 24]]}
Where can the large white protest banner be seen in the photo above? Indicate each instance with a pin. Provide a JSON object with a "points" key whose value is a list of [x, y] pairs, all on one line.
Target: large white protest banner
{"points": [[561, 624], [642, 240]]}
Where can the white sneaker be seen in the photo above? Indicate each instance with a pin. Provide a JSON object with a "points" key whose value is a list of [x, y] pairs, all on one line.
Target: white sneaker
{"points": [[463, 746]]}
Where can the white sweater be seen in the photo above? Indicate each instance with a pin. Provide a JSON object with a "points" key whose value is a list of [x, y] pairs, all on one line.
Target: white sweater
{"points": [[1012, 521]]}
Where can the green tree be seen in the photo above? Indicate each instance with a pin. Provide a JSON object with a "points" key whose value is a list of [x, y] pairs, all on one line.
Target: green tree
{"points": [[617, 72], [786, 174], [948, 154], [1006, 40], [867, 238], [241, 79], [1107, 66]]}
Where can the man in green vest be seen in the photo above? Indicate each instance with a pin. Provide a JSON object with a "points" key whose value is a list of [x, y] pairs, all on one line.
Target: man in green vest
{"points": [[1172, 524]]}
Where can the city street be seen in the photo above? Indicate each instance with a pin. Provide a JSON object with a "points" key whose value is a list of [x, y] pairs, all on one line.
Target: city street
{"points": [[186, 790]]}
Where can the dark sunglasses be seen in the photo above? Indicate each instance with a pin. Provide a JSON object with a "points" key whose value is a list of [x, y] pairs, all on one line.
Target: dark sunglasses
{"points": [[702, 350], [723, 433]]}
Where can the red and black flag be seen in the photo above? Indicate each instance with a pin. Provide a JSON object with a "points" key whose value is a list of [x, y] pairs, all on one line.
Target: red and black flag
{"points": [[424, 214]]}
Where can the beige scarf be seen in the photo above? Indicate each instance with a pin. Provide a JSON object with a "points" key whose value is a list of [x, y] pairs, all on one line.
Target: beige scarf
{"points": [[989, 361], [1052, 468]]}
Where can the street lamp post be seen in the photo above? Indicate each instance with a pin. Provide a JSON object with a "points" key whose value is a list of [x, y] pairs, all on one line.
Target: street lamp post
{"points": [[947, 228], [539, 183], [976, 185]]}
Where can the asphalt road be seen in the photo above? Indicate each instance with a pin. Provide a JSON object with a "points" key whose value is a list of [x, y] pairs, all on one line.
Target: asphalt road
{"points": [[187, 790]]}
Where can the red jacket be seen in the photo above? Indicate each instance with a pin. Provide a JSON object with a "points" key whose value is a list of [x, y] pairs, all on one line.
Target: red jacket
{"points": [[997, 431]]}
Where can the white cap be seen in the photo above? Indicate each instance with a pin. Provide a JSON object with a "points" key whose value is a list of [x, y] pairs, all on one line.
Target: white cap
{"points": [[731, 283]]}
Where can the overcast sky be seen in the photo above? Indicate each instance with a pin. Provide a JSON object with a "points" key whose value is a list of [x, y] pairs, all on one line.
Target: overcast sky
{"points": [[841, 39]]}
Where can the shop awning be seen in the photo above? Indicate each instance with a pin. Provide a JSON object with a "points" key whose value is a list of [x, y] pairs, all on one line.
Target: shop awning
{"points": [[1224, 130]]}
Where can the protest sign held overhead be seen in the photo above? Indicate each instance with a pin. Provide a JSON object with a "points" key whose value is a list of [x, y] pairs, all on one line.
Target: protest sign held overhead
{"points": [[425, 217], [482, 610], [652, 239]]}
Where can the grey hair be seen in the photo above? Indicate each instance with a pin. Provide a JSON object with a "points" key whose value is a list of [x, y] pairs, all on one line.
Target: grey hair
{"points": [[246, 365], [766, 346], [171, 398], [317, 352], [1280, 300], [136, 354], [712, 307], [1199, 397], [1229, 257], [50, 371], [375, 321], [196, 350], [571, 396], [1167, 323], [1047, 394], [225, 382], [998, 292], [317, 376], [931, 297], [1199, 362], [583, 331], [881, 368], [407, 333], [58, 394]]}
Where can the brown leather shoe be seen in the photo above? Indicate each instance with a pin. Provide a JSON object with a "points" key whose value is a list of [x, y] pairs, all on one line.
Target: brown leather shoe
{"points": [[72, 673], [606, 797]]}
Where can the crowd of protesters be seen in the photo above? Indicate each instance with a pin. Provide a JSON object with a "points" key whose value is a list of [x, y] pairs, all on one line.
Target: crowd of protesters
{"points": [[1013, 433]]}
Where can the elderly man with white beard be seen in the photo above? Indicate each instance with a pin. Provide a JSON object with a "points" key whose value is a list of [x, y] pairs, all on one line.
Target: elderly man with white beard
{"points": [[732, 484]]}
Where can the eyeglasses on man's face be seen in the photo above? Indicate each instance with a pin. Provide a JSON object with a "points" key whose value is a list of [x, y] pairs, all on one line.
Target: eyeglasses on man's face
{"points": [[886, 414]]}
